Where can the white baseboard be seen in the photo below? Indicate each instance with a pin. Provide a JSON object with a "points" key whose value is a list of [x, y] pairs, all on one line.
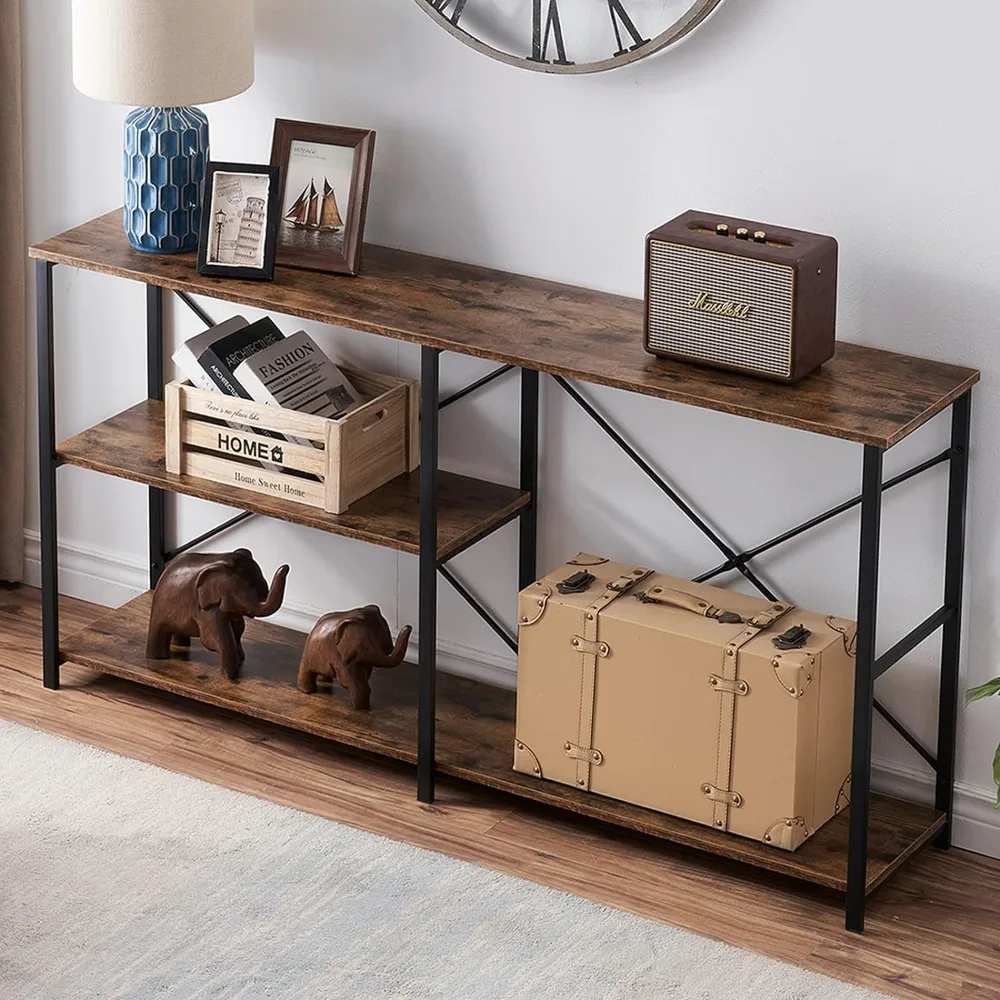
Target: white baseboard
{"points": [[112, 579], [977, 820], [90, 574]]}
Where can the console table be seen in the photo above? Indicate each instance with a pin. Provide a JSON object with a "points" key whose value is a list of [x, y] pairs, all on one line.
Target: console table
{"points": [[464, 728]]}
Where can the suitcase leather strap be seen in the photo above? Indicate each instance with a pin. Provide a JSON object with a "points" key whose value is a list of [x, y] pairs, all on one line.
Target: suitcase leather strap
{"points": [[728, 687], [590, 648]]}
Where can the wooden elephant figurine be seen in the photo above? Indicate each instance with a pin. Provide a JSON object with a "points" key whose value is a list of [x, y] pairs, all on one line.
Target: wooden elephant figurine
{"points": [[208, 595], [346, 646]]}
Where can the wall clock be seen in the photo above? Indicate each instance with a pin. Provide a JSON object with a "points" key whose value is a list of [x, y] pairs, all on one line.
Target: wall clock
{"points": [[569, 36]]}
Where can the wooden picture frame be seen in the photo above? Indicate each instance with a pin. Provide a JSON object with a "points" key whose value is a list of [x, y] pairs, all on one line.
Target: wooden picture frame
{"points": [[312, 233], [239, 221]]}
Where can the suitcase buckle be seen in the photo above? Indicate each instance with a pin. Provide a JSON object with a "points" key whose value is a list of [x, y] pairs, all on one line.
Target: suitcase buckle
{"points": [[763, 619], [728, 618], [626, 583], [577, 583]]}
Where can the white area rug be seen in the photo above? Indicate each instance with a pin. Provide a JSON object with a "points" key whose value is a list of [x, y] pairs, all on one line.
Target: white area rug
{"points": [[121, 880]]}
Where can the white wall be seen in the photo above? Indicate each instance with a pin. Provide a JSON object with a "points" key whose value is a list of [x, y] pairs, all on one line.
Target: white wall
{"points": [[869, 121]]}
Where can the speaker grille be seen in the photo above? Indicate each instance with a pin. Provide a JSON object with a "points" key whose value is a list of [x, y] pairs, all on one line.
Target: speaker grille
{"points": [[678, 275]]}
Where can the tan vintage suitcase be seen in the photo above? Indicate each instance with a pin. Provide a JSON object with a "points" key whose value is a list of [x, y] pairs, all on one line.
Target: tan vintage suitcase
{"points": [[674, 696]]}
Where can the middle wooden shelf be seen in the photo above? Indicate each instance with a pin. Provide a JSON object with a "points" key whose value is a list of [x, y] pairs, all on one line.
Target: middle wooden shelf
{"points": [[131, 445]]}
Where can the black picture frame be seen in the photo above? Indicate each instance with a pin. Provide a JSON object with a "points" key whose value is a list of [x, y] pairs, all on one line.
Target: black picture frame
{"points": [[256, 231]]}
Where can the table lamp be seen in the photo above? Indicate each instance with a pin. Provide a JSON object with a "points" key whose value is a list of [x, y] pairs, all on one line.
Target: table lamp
{"points": [[164, 55]]}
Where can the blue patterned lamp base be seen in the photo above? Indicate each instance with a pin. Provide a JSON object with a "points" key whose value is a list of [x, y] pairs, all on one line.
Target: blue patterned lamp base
{"points": [[165, 154]]}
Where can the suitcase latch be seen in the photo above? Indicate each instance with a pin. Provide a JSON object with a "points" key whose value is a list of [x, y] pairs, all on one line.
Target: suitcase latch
{"points": [[794, 638], [733, 799], [577, 583], [589, 754]]}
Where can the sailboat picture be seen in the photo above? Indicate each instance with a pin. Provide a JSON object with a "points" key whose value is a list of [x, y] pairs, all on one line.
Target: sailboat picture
{"points": [[310, 210], [325, 171]]}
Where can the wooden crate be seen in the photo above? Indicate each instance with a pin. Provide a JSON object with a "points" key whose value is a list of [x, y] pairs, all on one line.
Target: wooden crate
{"points": [[217, 437]]}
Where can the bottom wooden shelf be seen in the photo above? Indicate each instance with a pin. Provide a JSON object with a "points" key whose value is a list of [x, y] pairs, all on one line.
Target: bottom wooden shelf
{"points": [[475, 733]]}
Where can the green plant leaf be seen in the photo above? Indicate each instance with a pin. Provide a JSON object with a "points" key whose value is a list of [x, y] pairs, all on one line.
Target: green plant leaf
{"points": [[983, 691], [996, 774]]}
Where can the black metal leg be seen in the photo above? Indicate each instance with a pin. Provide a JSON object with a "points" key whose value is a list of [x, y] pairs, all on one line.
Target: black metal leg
{"points": [[961, 414], [864, 687], [528, 555], [429, 369], [154, 390], [47, 465]]}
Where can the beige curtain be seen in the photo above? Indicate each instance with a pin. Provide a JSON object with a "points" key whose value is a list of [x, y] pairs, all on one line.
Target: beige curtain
{"points": [[12, 311]]}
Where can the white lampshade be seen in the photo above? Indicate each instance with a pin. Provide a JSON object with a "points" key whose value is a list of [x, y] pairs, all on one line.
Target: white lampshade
{"points": [[162, 53]]}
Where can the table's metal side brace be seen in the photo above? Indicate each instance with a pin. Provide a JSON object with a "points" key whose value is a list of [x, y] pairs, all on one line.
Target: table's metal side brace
{"points": [[954, 572], [233, 521], [864, 687], [427, 616], [154, 390], [815, 522], [478, 384], [685, 508], [905, 733], [48, 463], [195, 308], [912, 639], [477, 606], [211, 533]]}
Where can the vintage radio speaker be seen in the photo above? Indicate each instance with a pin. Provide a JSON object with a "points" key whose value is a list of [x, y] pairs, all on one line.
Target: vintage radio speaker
{"points": [[741, 295]]}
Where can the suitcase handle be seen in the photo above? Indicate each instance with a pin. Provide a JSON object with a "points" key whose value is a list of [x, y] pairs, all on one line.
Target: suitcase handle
{"points": [[688, 602]]}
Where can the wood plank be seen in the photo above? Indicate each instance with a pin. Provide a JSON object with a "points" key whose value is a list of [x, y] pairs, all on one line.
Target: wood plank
{"points": [[301, 457], [271, 485], [864, 395], [475, 734], [130, 445], [249, 413], [931, 931]]}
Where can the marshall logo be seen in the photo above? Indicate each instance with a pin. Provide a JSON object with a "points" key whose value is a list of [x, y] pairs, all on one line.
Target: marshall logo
{"points": [[248, 448], [703, 302]]}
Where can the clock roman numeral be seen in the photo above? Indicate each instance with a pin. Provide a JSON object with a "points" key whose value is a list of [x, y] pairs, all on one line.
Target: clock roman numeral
{"points": [[540, 39], [441, 6], [618, 13]]}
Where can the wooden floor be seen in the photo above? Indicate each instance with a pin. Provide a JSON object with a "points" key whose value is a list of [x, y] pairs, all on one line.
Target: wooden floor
{"points": [[933, 930]]}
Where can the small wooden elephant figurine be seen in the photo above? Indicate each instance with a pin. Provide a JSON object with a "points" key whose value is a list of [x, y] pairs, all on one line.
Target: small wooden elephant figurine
{"points": [[346, 646], [208, 595]]}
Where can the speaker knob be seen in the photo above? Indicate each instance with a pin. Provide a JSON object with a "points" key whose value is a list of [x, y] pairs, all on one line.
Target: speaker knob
{"points": [[760, 236], [742, 234], [722, 229]]}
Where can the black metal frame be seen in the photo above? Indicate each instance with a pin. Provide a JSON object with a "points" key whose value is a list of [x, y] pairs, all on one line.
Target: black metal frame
{"points": [[48, 463], [869, 666], [154, 390]]}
